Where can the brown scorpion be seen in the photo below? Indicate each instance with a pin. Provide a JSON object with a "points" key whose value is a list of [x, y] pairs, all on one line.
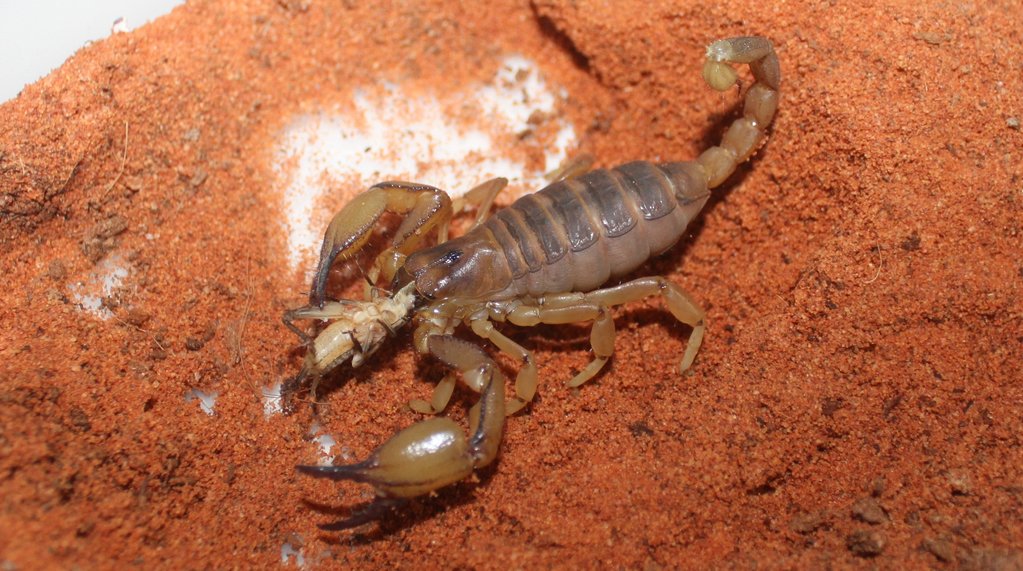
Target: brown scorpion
{"points": [[543, 259]]}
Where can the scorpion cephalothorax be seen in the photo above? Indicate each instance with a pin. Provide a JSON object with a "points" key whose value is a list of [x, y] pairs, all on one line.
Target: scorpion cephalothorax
{"points": [[543, 259]]}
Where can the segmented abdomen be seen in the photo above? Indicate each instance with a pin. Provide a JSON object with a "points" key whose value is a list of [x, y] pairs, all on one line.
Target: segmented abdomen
{"points": [[576, 234]]}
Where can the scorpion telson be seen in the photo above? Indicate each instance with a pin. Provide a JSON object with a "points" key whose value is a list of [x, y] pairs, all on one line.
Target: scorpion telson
{"points": [[543, 259]]}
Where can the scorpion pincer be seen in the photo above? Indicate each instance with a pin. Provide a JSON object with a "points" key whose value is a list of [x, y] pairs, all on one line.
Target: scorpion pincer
{"points": [[543, 259]]}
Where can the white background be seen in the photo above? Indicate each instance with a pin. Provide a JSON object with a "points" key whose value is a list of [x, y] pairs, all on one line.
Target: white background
{"points": [[36, 36]]}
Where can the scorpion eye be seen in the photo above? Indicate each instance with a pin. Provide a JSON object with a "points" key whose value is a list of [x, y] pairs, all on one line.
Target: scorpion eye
{"points": [[452, 257]]}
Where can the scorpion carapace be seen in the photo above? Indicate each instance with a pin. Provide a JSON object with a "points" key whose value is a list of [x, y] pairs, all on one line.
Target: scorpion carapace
{"points": [[543, 259]]}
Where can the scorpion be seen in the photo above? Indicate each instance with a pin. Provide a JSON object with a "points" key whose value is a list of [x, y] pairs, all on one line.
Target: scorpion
{"points": [[543, 259]]}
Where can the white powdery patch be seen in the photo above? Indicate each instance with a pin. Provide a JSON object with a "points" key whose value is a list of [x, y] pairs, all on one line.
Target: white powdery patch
{"points": [[289, 553], [520, 92], [107, 277], [408, 136], [207, 400], [326, 443], [272, 400]]}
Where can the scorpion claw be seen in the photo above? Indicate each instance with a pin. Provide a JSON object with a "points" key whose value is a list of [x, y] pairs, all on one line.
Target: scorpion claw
{"points": [[373, 512], [435, 452], [355, 472], [420, 459]]}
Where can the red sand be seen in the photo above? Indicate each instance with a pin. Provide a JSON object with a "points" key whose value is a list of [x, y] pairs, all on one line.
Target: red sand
{"points": [[858, 396]]}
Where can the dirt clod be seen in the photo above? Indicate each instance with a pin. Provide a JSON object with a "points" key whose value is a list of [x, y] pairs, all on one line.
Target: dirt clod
{"points": [[959, 482], [137, 317], [877, 486], [866, 543], [940, 548], [869, 510], [993, 559], [57, 271], [101, 238], [808, 522]]}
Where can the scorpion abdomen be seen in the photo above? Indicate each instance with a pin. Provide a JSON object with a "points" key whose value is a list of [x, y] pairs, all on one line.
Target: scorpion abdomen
{"points": [[572, 235], [576, 234]]}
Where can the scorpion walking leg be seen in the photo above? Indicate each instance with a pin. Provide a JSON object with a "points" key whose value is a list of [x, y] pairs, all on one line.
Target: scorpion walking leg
{"points": [[435, 452], [482, 197], [426, 209], [573, 308], [526, 380], [571, 168], [680, 304], [439, 401], [593, 306], [602, 340]]}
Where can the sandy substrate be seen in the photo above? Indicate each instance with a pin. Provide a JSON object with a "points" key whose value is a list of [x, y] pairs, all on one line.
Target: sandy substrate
{"points": [[858, 396]]}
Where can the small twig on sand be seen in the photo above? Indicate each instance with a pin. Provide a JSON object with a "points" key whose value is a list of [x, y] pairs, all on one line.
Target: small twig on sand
{"points": [[880, 264], [124, 160]]}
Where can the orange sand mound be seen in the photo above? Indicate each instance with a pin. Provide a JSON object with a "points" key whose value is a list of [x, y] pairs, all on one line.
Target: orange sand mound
{"points": [[858, 395]]}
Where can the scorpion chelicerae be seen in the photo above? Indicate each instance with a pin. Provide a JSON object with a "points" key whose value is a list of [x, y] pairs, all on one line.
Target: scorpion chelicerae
{"points": [[541, 260]]}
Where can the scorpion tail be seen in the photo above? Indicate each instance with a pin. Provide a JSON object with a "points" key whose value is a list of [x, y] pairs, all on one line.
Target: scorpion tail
{"points": [[746, 134]]}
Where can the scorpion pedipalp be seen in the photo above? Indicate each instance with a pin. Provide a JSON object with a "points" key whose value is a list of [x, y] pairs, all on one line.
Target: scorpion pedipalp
{"points": [[435, 452], [427, 208]]}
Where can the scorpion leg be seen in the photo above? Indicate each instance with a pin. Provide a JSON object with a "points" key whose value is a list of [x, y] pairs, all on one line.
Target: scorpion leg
{"points": [[482, 197], [680, 304], [426, 209], [573, 308], [526, 379], [571, 168], [439, 401], [593, 306], [435, 452], [602, 340]]}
